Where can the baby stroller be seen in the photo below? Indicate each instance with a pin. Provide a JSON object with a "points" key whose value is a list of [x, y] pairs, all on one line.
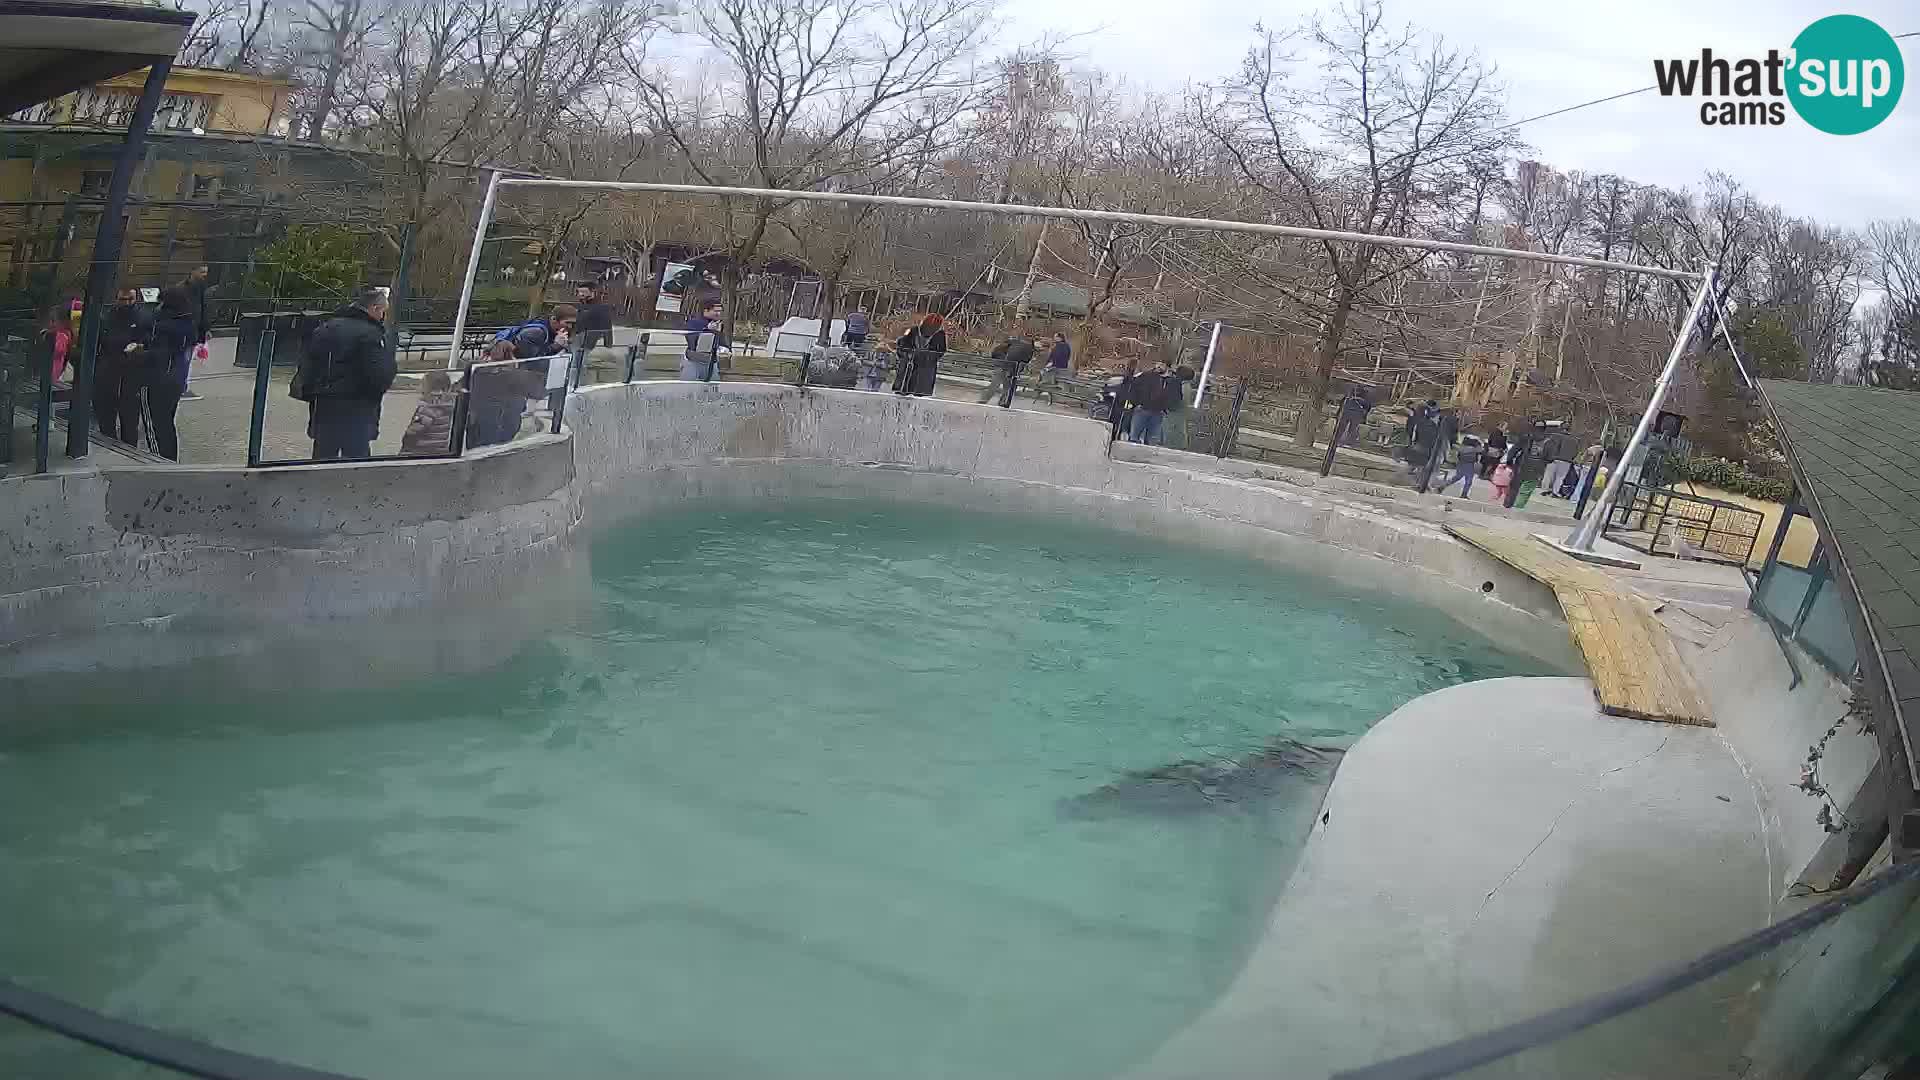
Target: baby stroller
{"points": [[1109, 402]]}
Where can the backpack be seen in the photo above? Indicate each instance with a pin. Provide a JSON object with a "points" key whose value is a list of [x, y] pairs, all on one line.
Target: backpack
{"points": [[511, 332]]}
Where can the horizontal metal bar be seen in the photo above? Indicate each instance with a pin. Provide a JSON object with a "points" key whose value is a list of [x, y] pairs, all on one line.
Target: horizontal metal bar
{"points": [[1257, 228]]}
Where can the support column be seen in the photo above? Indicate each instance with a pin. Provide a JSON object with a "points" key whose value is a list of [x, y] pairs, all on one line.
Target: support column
{"points": [[106, 257]]}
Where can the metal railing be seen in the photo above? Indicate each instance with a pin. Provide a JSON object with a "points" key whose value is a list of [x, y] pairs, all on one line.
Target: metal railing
{"points": [[1690, 526]]}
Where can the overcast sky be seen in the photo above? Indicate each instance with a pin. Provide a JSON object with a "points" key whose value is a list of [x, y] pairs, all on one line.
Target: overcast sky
{"points": [[1553, 53]]}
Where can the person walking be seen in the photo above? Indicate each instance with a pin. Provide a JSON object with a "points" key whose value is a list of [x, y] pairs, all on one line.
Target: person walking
{"points": [[54, 342], [343, 376], [164, 362], [197, 285], [1013, 355], [1496, 448], [1466, 462], [116, 380], [593, 317], [920, 350], [1421, 431], [702, 363], [1059, 363], [855, 335]]}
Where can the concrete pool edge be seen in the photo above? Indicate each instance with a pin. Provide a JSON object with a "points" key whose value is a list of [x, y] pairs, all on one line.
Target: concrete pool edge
{"points": [[1487, 852], [643, 446], [139, 556]]}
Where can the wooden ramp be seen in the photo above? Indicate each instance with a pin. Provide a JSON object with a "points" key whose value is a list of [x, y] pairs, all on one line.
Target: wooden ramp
{"points": [[1636, 667]]}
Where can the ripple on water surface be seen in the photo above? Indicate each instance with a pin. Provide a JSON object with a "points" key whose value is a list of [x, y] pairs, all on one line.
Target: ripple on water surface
{"points": [[829, 791]]}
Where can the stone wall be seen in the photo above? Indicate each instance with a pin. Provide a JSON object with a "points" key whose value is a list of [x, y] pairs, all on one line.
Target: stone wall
{"points": [[129, 567]]}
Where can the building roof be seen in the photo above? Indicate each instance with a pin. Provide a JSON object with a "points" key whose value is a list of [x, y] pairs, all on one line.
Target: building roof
{"points": [[54, 47], [1856, 454], [1072, 300]]}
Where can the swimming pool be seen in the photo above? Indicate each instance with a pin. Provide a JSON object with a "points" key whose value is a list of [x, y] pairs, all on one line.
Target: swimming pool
{"points": [[820, 790]]}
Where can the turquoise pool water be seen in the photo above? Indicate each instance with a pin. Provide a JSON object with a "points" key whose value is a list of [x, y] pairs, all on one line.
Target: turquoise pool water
{"points": [[814, 792]]}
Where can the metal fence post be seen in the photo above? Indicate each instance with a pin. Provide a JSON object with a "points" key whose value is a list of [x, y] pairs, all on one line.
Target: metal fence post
{"points": [[43, 418], [262, 379], [637, 353], [1232, 433], [457, 434]]}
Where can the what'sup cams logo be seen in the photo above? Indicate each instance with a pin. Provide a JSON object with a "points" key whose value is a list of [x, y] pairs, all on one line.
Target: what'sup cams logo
{"points": [[1843, 75]]}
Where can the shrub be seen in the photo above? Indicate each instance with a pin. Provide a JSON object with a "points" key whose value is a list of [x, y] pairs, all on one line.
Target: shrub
{"points": [[1732, 476]]}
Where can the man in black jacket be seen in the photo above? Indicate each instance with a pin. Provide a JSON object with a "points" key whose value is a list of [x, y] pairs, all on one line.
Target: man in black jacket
{"points": [[116, 377], [344, 373], [197, 286], [1013, 355]]}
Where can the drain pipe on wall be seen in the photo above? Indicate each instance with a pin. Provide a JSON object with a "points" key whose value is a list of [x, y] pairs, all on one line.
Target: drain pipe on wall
{"points": [[1206, 367]]}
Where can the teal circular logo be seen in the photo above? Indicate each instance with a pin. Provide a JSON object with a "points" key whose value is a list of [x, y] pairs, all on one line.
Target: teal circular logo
{"points": [[1847, 74]]}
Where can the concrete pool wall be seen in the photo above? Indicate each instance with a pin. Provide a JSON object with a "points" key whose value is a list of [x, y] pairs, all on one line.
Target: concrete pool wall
{"points": [[647, 445], [142, 566]]}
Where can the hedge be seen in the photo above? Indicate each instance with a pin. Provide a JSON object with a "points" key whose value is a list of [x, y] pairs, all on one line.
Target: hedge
{"points": [[1733, 476]]}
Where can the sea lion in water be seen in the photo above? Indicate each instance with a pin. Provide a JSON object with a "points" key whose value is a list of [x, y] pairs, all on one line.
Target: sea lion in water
{"points": [[1191, 787]]}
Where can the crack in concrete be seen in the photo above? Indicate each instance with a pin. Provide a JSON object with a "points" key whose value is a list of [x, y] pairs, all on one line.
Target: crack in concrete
{"points": [[1555, 824]]}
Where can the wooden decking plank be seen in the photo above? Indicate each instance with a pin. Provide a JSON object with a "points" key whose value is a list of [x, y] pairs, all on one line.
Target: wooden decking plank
{"points": [[1637, 669]]}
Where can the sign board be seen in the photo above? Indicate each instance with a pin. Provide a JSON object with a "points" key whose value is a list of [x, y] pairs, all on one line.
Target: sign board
{"points": [[678, 281]]}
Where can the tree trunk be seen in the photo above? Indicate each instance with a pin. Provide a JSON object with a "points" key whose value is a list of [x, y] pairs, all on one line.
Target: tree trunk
{"points": [[730, 297], [829, 296], [1306, 427], [323, 105], [649, 288], [1033, 268], [397, 293]]}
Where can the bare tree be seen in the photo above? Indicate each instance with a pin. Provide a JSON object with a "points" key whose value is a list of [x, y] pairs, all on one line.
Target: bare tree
{"points": [[329, 36], [821, 89], [1362, 148]]}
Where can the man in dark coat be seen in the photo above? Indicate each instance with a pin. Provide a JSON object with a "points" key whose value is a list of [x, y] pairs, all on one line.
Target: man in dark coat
{"points": [[117, 380], [1013, 354], [343, 375], [593, 318], [197, 286]]}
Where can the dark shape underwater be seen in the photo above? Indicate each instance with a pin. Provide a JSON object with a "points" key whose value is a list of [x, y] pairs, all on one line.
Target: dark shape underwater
{"points": [[1283, 766]]}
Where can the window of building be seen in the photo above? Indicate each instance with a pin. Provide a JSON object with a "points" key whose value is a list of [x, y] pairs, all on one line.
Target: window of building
{"points": [[93, 182], [109, 107], [203, 186], [42, 113]]}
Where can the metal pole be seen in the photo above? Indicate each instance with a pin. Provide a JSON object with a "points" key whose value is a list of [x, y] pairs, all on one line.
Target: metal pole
{"points": [[107, 243], [262, 377], [473, 270], [1588, 530], [1259, 228], [1206, 368]]}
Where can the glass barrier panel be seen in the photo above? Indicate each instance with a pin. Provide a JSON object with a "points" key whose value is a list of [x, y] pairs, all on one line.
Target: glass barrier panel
{"points": [[1825, 632], [1839, 1000], [1780, 594]]}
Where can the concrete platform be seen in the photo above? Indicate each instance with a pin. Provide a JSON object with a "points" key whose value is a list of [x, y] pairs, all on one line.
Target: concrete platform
{"points": [[1488, 852]]}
